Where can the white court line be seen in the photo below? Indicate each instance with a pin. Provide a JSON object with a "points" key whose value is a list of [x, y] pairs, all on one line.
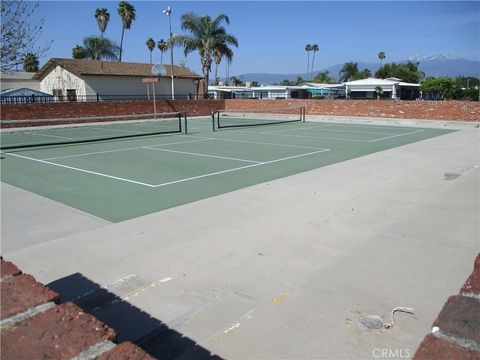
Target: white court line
{"points": [[82, 170], [204, 155], [260, 142], [389, 137], [125, 149], [170, 182], [239, 168]]}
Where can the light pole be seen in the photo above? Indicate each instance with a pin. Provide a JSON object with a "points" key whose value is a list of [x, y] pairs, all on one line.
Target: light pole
{"points": [[168, 12]]}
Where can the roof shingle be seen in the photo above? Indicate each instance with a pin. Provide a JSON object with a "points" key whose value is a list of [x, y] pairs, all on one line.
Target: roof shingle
{"points": [[109, 68]]}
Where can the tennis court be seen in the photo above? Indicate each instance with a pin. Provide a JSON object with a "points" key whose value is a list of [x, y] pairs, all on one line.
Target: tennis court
{"points": [[125, 175]]}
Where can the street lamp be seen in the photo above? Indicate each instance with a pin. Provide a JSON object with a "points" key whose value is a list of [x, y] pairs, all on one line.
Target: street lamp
{"points": [[168, 12]]}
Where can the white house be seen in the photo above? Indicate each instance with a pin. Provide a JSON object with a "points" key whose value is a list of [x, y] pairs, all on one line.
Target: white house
{"points": [[74, 79], [392, 87]]}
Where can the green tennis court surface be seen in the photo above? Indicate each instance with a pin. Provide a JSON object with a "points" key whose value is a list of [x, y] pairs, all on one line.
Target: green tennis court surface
{"points": [[124, 178]]}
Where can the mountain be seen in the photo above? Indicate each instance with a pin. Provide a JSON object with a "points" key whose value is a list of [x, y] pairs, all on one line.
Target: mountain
{"points": [[431, 65]]}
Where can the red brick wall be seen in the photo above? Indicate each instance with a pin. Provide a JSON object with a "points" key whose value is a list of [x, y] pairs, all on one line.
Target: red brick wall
{"points": [[80, 109], [434, 110]]}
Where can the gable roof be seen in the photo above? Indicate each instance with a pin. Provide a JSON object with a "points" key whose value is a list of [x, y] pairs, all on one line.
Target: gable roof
{"points": [[109, 68]]}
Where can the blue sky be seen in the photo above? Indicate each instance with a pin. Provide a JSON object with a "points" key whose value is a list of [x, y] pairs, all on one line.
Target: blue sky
{"points": [[272, 34]]}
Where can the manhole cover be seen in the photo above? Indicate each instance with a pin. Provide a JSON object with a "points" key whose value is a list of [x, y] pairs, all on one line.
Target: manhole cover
{"points": [[371, 322]]}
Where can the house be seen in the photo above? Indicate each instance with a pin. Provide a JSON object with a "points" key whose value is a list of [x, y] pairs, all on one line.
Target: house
{"points": [[329, 91], [24, 95], [18, 79], [390, 88], [229, 92], [81, 80]]}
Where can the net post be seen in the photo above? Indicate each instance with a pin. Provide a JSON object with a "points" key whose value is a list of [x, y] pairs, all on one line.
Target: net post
{"points": [[303, 113], [186, 121], [213, 120]]}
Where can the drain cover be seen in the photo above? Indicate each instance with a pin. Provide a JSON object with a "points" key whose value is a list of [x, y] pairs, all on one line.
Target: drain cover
{"points": [[371, 322]]}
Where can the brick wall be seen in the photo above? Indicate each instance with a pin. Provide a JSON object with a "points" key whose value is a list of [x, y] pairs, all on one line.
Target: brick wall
{"points": [[80, 109], [456, 331], [432, 110], [33, 326]]}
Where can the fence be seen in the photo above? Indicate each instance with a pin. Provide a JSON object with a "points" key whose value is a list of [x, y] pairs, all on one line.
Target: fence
{"points": [[35, 99]]}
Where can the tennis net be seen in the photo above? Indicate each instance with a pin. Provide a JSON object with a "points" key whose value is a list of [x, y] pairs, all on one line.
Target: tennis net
{"points": [[237, 118], [44, 132]]}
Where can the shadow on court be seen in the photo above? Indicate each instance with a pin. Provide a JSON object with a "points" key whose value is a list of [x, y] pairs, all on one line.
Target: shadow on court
{"points": [[130, 323]]}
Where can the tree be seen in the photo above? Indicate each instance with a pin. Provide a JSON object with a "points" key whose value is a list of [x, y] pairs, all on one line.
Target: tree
{"points": [[97, 48], [127, 14], [364, 74], [221, 50], [102, 16], [467, 82], [205, 35], [236, 81], [30, 62], [286, 82], [162, 46], [18, 34], [408, 72], [381, 56], [314, 48], [439, 88], [308, 48], [324, 78], [349, 72], [378, 91], [299, 81], [150, 45], [78, 52]]}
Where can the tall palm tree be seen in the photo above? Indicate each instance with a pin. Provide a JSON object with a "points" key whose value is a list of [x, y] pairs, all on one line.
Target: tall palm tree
{"points": [[308, 48], [150, 45], [97, 48], [102, 16], [162, 46], [205, 35], [314, 48], [127, 13], [381, 56], [348, 72], [30, 62], [221, 50]]}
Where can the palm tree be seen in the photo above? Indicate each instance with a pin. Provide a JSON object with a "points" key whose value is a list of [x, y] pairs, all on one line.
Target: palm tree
{"points": [[150, 45], [102, 16], [205, 35], [97, 48], [348, 72], [30, 62], [314, 48], [162, 46], [324, 78], [308, 48], [221, 50], [381, 56], [127, 13]]}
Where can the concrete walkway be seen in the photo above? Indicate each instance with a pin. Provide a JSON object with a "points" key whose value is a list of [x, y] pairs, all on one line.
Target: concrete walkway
{"points": [[285, 269]]}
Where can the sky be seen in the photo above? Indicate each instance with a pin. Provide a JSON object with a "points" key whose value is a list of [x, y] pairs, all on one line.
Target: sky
{"points": [[272, 34]]}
